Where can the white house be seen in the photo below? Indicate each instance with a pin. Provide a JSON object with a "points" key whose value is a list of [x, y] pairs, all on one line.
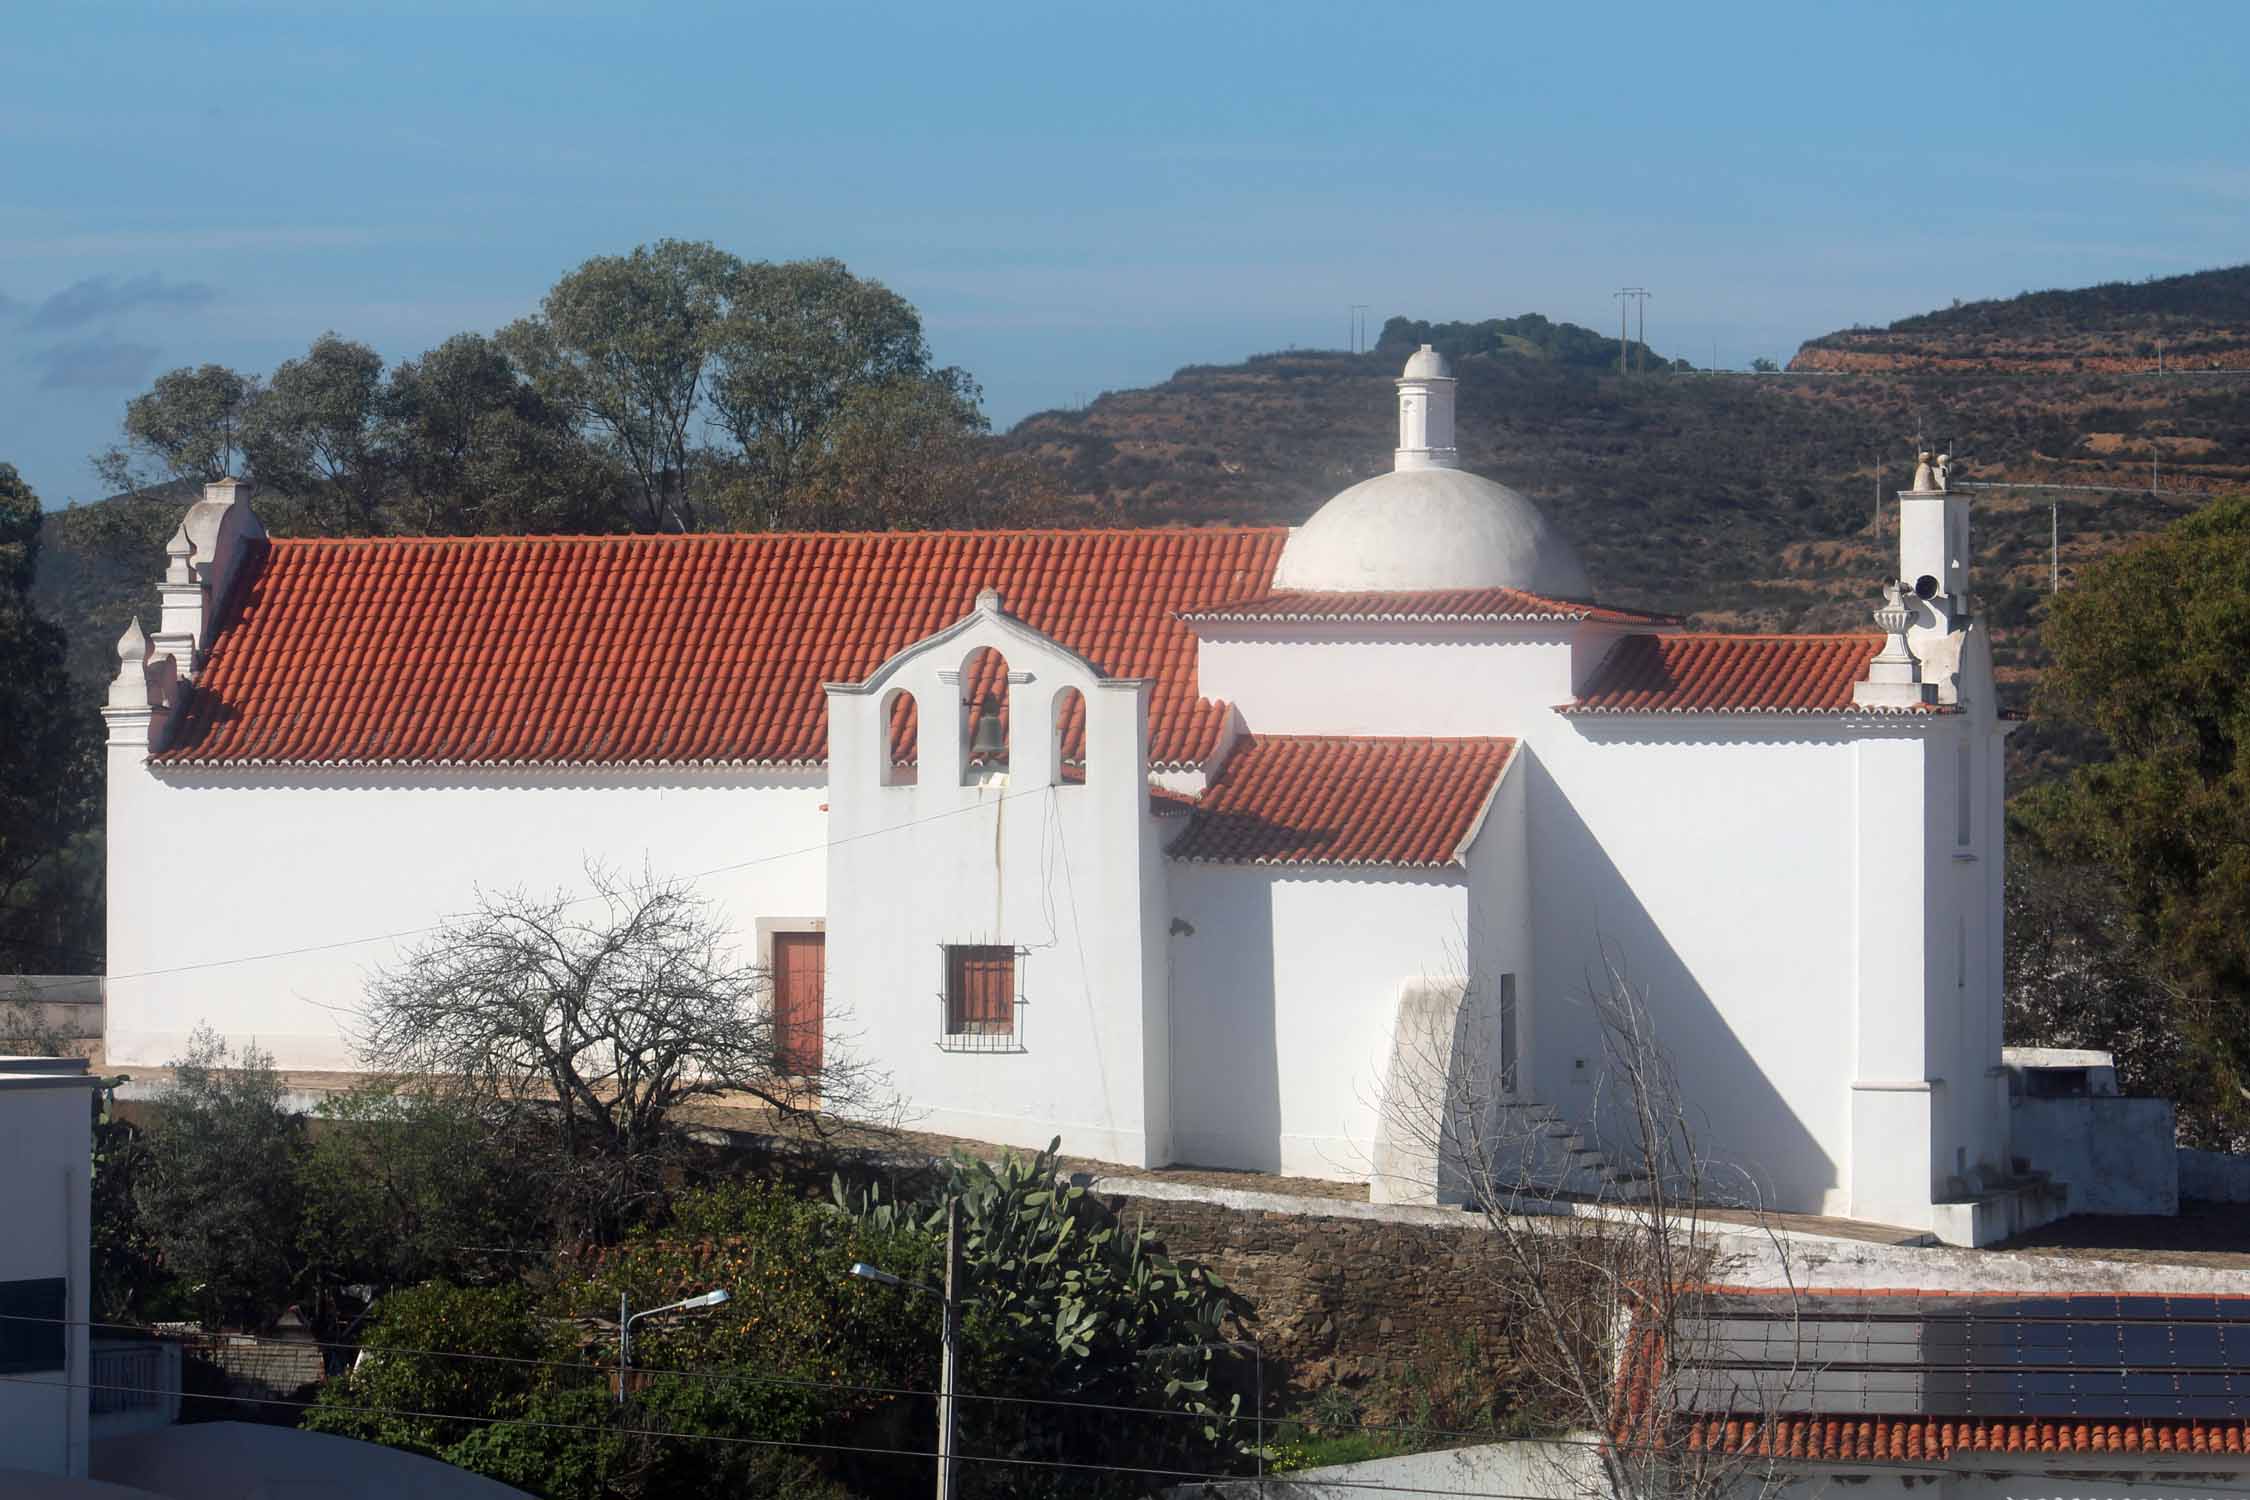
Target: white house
{"points": [[1152, 839]]}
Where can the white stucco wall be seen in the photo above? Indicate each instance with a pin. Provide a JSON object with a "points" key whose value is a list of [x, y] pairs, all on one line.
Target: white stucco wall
{"points": [[209, 871], [2114, 1154], [45, 1138], [1284, 998], [1399, 679]]}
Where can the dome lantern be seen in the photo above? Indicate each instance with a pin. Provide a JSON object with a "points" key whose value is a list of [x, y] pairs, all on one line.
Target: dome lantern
{"points": [[1425, 413]]}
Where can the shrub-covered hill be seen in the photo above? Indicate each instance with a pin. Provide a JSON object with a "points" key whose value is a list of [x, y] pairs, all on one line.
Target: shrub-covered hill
{"points": [[2202, 321]]}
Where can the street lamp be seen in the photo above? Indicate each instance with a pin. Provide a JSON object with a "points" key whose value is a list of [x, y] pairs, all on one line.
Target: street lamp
{"points": [[948, 1355], [627, 1318]]}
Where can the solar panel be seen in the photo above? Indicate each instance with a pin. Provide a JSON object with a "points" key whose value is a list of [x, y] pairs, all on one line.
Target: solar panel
{"points": [[2106, 1356]]}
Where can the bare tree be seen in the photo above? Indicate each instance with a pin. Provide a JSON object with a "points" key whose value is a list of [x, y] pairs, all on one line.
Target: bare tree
{"points": [[598, 1017], [1606, 1245]]}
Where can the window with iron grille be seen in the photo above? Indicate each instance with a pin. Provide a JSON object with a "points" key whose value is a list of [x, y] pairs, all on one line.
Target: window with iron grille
{"points": [[980, 990]]}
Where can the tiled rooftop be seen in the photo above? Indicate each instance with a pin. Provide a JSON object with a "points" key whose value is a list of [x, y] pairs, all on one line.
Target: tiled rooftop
{"points": [[1883, 1375], [670, 649], [1323, 800], [1465, 605], [1730, 674]]}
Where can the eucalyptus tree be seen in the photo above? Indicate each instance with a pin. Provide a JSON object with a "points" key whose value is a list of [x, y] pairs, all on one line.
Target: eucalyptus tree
{"points": [[625, 344], [189, 425], [316, 433]]}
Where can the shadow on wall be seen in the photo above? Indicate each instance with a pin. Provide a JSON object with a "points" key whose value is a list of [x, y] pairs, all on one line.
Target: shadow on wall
{"points": [[1584, 908], [1226, 1060]]}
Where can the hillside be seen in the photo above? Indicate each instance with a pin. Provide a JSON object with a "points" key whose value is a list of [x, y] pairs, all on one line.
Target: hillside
{"points": [[1746, 502], [2202, 321]]}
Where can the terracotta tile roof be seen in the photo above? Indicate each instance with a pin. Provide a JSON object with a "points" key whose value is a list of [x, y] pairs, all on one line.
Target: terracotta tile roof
{"points": [[2180, 1351], [670, 649], [1327, 800], [1905, 1438], [1731, 674], [1472, 605]]}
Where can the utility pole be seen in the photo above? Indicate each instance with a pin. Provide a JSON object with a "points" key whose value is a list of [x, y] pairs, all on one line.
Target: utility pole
{"points": [[1621, 294], [1878, 497], [2054, 547], [949, 1358], [1640, 356], [1359, 327]]}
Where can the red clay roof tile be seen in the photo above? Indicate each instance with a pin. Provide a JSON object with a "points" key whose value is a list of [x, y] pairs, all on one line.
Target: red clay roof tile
{"points": [[1730, 674], [1323, 800], [1477, 605], [670, 649]]}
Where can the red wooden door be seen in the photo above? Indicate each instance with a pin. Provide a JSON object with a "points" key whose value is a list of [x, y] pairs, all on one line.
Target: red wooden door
{"points": [[800, 968]]}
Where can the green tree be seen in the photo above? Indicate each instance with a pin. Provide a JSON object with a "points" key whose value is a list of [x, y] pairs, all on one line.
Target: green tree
{"points": [[410, 1183], [189, 425], [315, 434], [49, 762], [2148, 651], [913, 453], [799, 342], [219, 1183], [1764, 366], [475, 448], [625, 344]]}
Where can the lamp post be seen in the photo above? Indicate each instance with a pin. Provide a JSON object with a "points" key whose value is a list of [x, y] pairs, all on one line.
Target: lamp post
{"points": [[948, 1357], [626, 1318]]}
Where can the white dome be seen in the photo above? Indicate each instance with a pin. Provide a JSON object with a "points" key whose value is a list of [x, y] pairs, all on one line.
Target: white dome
{"points": [[1426, 363], [1433, 528]]}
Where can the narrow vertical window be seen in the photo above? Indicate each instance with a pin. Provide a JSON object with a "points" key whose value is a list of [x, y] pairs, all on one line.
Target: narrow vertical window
{"points": [[1508, 1034], [1964, 807]]}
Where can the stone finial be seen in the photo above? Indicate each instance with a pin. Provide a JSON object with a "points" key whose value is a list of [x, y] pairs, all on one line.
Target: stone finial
{"points": [[177, 553], [1924, 480], [988, 601], [130, 689], [226, 489], [1941, 471], [1894, 677]]}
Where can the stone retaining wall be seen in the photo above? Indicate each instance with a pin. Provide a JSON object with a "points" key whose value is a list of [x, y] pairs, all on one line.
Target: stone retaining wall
{"points": [[1340, 1298]]}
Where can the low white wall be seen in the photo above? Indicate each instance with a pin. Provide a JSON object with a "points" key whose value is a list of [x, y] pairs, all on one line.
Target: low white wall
{"points": [[2214, 1176], [2114, 1153], [1561, 1470], [45, 1138], [247, 900]]}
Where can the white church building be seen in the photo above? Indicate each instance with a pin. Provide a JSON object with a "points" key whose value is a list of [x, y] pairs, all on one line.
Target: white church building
{"points": [[1156, 840]]}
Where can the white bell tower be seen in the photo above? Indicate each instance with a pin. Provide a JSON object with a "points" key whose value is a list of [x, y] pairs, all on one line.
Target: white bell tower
{"points": [[1425, 413]]}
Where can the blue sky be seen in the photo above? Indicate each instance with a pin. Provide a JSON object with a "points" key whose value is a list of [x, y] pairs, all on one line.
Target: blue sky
{"points": [[1082, 198]]}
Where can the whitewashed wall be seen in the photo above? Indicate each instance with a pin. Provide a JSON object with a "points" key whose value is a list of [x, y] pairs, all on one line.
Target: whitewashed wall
{"points": [[209, 869], [1397, 679], [1654, 848], [1284, 1004], [45, 1124], [1062, 872]]}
